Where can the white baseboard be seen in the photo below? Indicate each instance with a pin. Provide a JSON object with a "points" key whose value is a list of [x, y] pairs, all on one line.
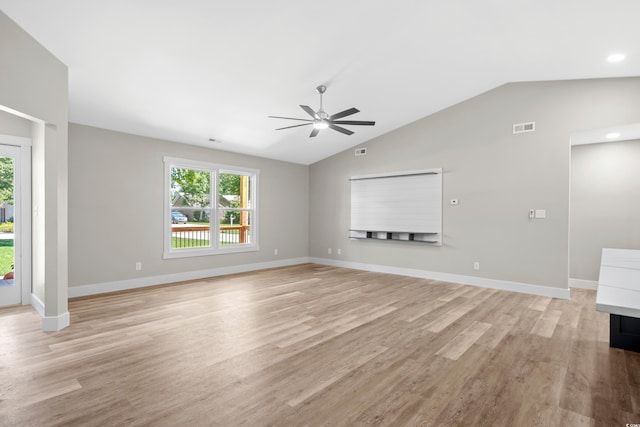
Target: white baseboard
{"points": [[121, 285], [37, 305], [583, 284], [525, 288], [50, 323], [55, 323]]}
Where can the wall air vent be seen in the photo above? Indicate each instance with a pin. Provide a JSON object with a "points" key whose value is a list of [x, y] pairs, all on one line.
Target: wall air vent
{"points": [[361, 151], [524, 127]]}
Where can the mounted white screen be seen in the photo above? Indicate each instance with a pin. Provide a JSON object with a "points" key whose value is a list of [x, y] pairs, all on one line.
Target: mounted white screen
{"points": [[404, 202]]}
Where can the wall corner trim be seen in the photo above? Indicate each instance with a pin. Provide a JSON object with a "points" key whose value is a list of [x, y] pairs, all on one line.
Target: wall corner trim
{"points": [[525, 288]]}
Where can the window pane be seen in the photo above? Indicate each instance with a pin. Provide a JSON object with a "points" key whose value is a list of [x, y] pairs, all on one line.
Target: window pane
{"points": [[236, 228], [7, 258], [190, 189], [190, 208], [234, 191], [190, 236], [234, 202]]}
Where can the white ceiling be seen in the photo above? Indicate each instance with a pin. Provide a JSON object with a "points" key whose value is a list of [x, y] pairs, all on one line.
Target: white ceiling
{"points": [[192, 70], [609, 134]]}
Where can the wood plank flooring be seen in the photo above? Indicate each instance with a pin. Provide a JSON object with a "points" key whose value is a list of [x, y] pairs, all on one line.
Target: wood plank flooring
{"points": [[318, 346]]}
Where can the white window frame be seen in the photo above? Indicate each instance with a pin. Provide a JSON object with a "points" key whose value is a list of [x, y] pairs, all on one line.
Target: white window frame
{"points": [[214, 218]]}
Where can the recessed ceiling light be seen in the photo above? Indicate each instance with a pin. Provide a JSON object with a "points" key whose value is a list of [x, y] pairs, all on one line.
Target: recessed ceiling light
{"points": [[616, 57], [612, 135]]}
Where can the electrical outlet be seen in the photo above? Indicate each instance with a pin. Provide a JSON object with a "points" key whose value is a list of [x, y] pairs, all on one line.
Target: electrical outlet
{"points": [[476, 265], [275, 252], [138, 266], [339, 251], [329, 251]]}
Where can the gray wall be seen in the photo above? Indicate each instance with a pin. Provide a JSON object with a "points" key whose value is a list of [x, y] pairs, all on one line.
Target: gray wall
{"points": [[605, 203], [14, 125], [34, 85], [497, 176], [116, 207]]}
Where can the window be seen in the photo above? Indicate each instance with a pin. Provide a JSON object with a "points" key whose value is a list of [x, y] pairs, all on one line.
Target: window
{"points": [[210, 208]]}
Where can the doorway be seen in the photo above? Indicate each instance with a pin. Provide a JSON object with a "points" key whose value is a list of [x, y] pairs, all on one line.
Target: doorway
{"points": [[604, 198], [15, 189]]}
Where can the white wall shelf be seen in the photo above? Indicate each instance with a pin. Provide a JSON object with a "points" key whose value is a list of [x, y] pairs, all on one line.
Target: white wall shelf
{"points": [[400, 206], [431, 238]]}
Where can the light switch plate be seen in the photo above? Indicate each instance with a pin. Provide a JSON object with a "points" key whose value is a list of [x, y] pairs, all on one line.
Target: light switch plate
{"points": [[541, 213]]}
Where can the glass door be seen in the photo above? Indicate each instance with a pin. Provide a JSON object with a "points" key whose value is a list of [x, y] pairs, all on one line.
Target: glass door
{"points": [[10, 283]]}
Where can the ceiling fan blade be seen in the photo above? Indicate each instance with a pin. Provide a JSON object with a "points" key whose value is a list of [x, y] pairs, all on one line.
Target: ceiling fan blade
{"points": [[344, 113], [295, 126], [353, 122], [314, 132], [309, 111], [289, 118], [340, 129]]}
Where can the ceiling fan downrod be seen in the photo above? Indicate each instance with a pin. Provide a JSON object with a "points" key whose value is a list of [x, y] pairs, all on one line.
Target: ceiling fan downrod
{"points": [[321, 114]]}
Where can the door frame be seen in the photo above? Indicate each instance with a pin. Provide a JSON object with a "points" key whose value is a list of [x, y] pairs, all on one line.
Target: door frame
{"points": [[22, 213]]}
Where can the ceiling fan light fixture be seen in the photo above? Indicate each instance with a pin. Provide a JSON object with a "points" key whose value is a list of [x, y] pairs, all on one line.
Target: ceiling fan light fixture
{"points": [[321, 120], [320, 124]]}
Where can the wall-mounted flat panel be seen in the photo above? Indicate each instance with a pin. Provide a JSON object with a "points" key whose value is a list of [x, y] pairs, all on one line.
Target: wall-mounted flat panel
{"points": [[403, 204]]}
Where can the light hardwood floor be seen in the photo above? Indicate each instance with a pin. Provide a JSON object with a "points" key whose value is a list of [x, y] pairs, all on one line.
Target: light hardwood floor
{"points": [[317, 345]]}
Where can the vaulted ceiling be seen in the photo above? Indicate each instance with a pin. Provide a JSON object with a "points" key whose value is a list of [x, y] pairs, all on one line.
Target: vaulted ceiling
{"points": [[193, 70]]}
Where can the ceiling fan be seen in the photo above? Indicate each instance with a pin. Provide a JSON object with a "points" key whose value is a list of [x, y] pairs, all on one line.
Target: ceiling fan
{"points": [[322, 120]]}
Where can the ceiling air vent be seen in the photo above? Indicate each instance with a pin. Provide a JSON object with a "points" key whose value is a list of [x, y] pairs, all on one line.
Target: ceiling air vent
{"points": [[361, 151], [524, 127]]}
